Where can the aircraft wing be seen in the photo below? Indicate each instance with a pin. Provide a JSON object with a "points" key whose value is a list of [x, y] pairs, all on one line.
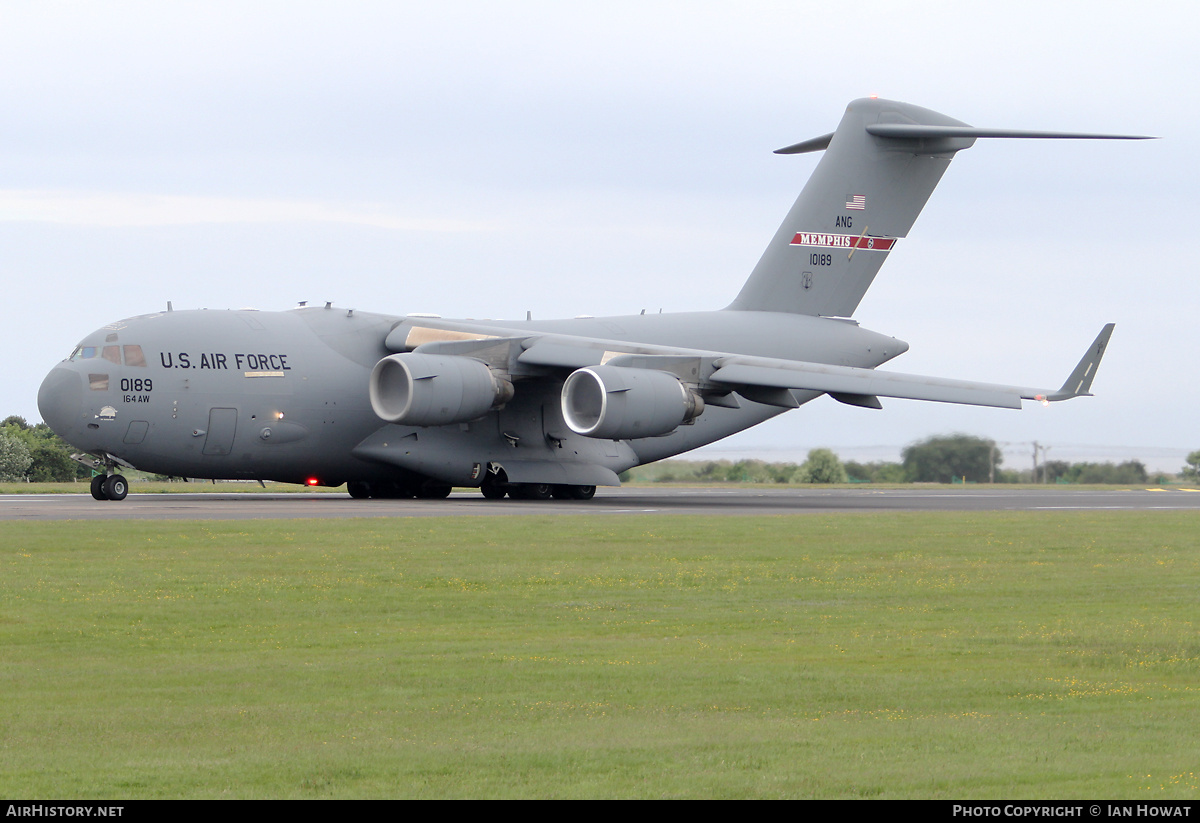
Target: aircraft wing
{"points": [[859, 386], [760, 379], [866, 383]]}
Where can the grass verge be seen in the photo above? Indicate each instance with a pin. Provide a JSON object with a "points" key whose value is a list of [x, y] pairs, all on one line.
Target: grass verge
{"points": [[984, 655]]}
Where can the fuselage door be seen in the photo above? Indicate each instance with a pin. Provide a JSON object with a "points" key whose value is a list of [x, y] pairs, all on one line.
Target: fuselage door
{"points": [[222, 424]]}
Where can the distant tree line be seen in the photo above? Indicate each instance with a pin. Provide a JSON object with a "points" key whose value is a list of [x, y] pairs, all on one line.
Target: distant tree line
{"points": [[822, 466], [955, 458], [37, 454]]}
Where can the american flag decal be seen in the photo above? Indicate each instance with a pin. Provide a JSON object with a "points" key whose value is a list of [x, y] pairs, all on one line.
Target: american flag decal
{"points": [[858, 202]]}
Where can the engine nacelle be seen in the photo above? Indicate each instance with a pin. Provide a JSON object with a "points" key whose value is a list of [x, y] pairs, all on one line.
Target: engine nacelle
{"points": [[435, 390], [620, 403]]}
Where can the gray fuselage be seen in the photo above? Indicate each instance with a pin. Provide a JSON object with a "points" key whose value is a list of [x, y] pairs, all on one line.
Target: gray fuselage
{"points": [[284, 395]]}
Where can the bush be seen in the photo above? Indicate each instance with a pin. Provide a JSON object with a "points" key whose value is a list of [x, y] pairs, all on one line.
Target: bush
{"points": [[1131, 472], [14, 457], [876, 472], [951, 458], [822, 466]]}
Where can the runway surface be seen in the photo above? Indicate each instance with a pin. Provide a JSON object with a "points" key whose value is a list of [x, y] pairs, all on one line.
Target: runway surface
{"points": [[759, 502]]}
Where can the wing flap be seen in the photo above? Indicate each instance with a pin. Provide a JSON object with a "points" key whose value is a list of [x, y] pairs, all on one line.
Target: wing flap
{"points": [[847, 380]]}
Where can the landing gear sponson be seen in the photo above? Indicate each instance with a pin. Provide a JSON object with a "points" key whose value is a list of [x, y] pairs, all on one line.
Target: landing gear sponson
{"points": [[492, 490]]}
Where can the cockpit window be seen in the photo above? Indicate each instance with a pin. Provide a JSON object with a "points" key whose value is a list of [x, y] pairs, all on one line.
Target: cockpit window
{"points": [[98, 382], [134, 356]]}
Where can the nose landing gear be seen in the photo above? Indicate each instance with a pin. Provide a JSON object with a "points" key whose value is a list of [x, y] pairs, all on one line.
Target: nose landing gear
{"points": [[109, 487], [105, 486]]}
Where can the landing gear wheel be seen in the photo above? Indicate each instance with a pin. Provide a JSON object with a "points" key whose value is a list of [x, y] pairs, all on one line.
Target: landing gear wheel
{"points": [[583, 492], [116, 487], [493, 491], [433, 492], [534, 491], [358, 489], [98, 487]]}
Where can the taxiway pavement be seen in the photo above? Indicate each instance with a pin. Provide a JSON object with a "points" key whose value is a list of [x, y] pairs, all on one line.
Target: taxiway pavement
{"points": [[673, 500]]}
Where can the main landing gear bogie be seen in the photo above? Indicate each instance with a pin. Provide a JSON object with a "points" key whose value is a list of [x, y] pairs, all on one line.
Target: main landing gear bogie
{"points": [[361, 490], [109, 487], [574, 492], [537, 491]]}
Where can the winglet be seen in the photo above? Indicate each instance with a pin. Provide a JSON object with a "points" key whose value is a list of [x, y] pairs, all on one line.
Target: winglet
{"points": [[1079, 384], [805, 146]]}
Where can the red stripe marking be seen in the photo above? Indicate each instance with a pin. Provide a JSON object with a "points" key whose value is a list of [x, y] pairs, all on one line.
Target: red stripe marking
{"points": [[842, 241]]}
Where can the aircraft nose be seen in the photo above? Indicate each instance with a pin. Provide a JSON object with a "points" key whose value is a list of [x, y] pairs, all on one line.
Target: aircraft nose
{"points": [[60, 400]]}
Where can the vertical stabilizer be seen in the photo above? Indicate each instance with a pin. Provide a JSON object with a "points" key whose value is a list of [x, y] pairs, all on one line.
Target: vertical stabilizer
{"points": [[864, 194]]}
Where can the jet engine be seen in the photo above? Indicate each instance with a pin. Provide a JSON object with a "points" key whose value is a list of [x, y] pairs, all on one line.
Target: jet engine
{"points": [[621, 403], [435, 390]]}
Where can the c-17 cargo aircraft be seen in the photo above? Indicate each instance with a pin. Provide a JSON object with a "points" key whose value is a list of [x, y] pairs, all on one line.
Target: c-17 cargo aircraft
{"points": [[415, 405]]}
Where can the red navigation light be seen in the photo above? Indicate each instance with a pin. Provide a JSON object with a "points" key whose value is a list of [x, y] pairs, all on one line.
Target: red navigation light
{"points": [[312, 481]]}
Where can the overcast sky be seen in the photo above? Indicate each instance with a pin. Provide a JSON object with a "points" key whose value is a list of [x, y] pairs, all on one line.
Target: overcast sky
{"points": [[488, 159]]}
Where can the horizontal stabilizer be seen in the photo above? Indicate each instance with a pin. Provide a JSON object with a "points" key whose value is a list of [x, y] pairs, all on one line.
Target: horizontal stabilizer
{"points": [[918, 131], [815, 144]]}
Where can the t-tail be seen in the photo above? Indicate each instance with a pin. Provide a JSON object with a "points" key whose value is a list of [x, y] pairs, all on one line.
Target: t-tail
{"points": [[879, 168]]}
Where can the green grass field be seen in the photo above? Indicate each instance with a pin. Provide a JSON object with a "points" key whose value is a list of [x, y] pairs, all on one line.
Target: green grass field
{"points": [[931, 656]]}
